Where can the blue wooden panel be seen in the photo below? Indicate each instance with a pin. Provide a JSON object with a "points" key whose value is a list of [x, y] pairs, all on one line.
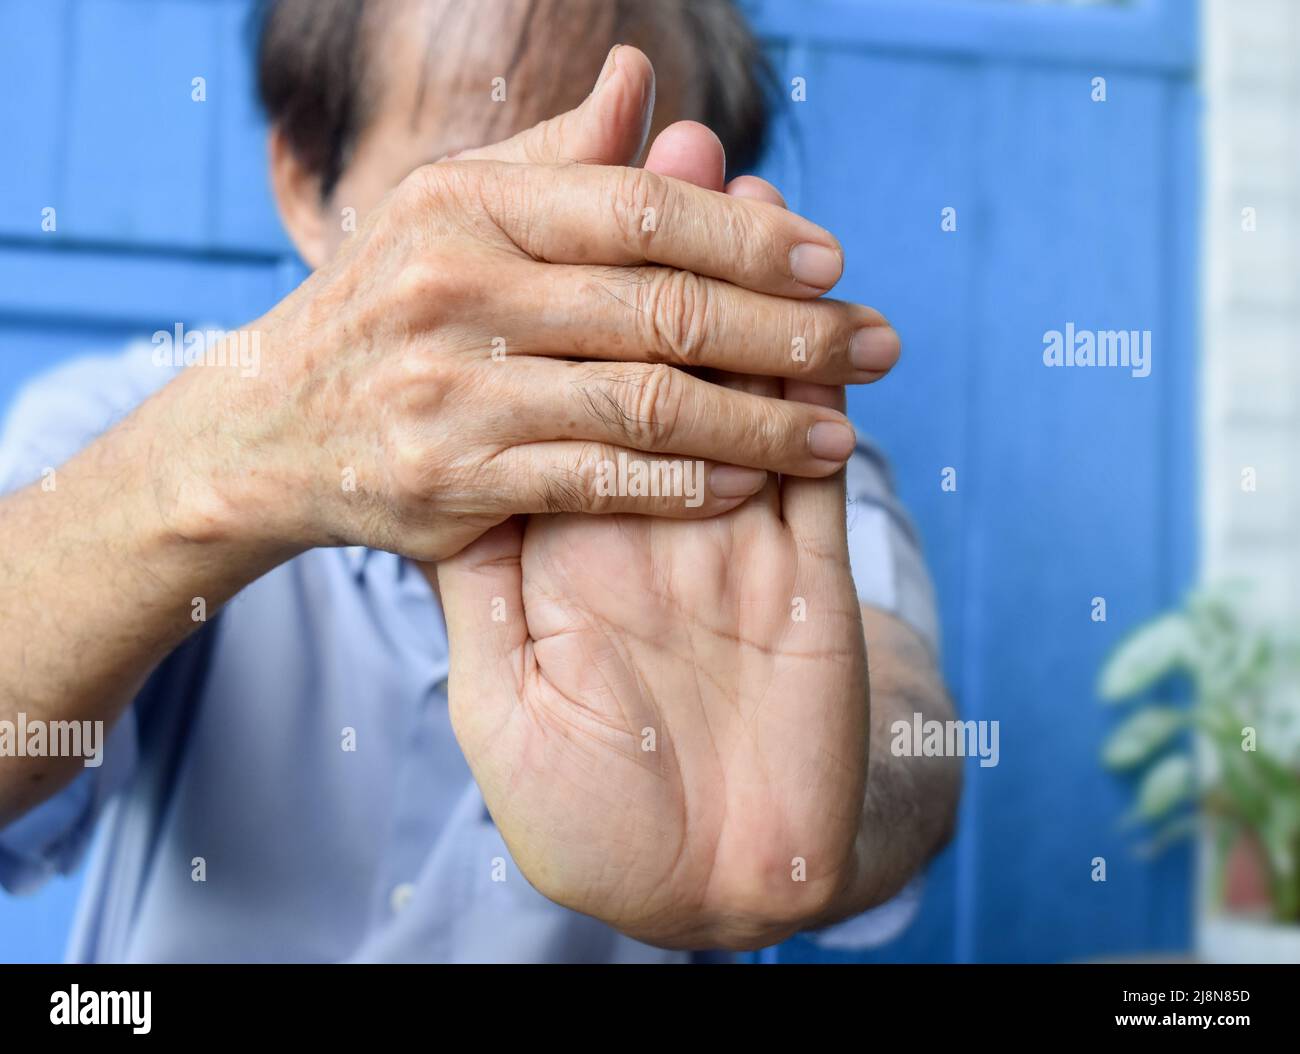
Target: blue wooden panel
{"points": [[1072, 483], [141, 152], [124, 286], [33, 58], [1146, 34], [244, 213], [103, 117], [1069, 486]]}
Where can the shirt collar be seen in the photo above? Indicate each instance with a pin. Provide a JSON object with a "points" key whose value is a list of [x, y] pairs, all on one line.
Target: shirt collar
{"points": [[402, 590], [372, 564], [357, 556]]}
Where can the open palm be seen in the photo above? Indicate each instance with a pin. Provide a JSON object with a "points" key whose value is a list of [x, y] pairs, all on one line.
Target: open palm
{"points": [[668, 718]]}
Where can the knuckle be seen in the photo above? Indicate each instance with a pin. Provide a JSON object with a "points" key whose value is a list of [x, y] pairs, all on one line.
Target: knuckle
{"points": [[592, 462], [545, 143], [457, 192], [640, 404], [424, 187], [421, 381], [747, 235], [638, 202], [415, 390], [567, 488], [508, 197], [411, 469], [766, 435], [825, 329], [654, 405], [427, 281], [678, 311], [437, 288], [658, 399]]}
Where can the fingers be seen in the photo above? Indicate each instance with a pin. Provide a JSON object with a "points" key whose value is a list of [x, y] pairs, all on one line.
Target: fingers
{"points": [[756, 189], [811, 508], [814, 509], [767, 503], [608, 128], [660, 409], [656, 314], [604, 478], [585, 214], [690, 152], [481, 590]]}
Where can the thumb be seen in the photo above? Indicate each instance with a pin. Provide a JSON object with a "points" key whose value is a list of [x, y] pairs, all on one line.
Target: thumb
{"points": [[689, 151], [608, 128], [814, 509], [481, 588]]}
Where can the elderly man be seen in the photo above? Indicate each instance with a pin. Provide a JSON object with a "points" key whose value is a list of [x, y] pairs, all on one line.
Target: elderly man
{"points": [[472, 701]]}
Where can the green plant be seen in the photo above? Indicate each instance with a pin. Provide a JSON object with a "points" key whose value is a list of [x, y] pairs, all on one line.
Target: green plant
{"points": [[1233, 751]]}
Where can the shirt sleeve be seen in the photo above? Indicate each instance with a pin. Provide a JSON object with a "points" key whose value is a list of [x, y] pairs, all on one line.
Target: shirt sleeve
{"points": [[890, 573], [50, 420], [885, 549]]}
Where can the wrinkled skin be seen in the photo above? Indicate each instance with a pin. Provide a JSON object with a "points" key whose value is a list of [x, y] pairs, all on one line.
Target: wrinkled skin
{"points": [[679, 636], [670, 724]]}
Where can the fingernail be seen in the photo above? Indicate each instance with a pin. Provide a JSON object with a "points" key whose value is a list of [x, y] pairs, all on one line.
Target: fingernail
{"points": [[607, 70], [816, 265], [874, 348], [732, 481], [831, 441]]}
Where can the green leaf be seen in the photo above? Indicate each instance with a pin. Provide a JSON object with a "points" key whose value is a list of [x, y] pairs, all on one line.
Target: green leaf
{"points": [[1174, 830], [1240, 783], [1168, 784], [1141, 735], [1149, 655], [1282, 780]]}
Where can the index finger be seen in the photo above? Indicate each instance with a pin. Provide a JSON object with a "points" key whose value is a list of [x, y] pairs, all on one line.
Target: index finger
{"points": [[581, 214]]}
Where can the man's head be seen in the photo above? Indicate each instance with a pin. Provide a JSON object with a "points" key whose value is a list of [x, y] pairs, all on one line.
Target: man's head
{"points": [[360, 92]]}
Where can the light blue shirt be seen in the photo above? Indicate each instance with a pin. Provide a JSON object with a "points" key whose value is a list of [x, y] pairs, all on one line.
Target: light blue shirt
{"points": [[230, 765]]}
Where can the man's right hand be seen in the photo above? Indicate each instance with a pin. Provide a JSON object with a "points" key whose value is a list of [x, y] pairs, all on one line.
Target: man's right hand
{"points": [[497, 330]]}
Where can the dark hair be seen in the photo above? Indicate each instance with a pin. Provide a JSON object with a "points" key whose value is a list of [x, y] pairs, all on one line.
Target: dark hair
{"points": [[314, 80]]}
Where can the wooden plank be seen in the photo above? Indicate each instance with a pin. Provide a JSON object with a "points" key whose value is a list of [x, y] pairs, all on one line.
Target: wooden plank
{"points": [[141, 151], [1069, 490], [141, 289], [1156, 35], [245, 217], [34, 58]]}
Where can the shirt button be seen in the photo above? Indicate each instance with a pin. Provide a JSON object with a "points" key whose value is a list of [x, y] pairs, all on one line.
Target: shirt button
{"points": [[401, 896]]}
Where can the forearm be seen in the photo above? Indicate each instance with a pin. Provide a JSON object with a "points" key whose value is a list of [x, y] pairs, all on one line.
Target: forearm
{"points": [[103, 571], [911, 802]]}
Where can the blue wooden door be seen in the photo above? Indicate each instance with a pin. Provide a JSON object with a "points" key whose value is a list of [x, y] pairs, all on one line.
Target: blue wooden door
{"points": [[1070, 484]]}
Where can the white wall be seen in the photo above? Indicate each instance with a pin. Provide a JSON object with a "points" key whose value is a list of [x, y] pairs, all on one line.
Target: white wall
{"points": [[1251, 336]]}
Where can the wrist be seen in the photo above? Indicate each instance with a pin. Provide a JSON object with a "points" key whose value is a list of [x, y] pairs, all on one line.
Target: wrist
{"points": [[211, 481]]}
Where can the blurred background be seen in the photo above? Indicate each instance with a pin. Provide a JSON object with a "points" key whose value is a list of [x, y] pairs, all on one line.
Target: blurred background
{"points": [[996, 170]]}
